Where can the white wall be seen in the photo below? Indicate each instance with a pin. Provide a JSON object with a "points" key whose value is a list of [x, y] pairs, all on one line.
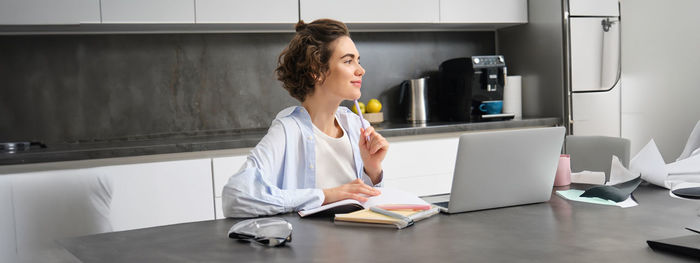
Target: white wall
{"points": [[660, 73]]}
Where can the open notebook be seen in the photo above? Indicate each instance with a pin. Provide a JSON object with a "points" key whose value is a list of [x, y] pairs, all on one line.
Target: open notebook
{"points": [[388, 196]]}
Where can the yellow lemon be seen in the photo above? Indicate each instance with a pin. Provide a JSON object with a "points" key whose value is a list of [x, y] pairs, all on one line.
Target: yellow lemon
{"points": [[373, 106], [362, 107]]}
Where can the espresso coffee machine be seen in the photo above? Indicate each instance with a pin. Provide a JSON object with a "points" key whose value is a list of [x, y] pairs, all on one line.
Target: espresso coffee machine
{"points": [[466, 84]]}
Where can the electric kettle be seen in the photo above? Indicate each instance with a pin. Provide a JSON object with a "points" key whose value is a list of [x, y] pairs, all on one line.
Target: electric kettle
{"points": [[414, 99]]}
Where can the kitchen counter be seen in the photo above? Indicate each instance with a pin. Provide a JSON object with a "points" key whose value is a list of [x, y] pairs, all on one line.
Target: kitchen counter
{"points": [[221, 140]]}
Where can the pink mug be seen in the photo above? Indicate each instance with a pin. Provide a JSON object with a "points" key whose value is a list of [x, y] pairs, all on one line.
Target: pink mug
{"points": [[563, 175]]}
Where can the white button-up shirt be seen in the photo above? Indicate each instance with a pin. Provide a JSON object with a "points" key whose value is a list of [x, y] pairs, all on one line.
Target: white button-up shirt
{"points": [[279, 175]]}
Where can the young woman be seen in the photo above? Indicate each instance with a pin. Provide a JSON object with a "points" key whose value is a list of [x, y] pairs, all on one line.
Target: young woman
{"points": [[316, 153]]}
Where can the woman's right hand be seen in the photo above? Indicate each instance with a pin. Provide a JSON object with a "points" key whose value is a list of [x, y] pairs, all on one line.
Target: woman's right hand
{"points": [[351, 190]]}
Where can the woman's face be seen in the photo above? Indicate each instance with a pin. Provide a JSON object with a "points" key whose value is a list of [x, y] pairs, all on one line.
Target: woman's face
{"points": [[344, 76]]}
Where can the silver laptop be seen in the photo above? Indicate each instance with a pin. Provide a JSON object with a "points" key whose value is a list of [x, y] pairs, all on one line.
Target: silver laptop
{"points": [[503, 168]]}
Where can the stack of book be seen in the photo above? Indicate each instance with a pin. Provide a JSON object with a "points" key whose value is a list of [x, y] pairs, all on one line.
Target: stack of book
{"points": [[386, 216]]}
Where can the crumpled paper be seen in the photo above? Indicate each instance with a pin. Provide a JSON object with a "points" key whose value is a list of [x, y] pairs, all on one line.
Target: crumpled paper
{"points": [[684, 172]]}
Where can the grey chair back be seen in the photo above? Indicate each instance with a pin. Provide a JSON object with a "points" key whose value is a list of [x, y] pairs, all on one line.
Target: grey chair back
{"points": [[594, 153]]}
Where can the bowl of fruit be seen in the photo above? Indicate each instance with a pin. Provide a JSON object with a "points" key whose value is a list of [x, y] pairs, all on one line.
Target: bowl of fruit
{"points": [[372, 111]]}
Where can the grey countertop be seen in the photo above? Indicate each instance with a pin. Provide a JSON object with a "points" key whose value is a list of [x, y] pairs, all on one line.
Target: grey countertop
{"points": [[554, 231], [231, 139]]}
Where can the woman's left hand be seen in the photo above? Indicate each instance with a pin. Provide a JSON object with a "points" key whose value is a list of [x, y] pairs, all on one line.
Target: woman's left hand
{"points": [[373, 152]]}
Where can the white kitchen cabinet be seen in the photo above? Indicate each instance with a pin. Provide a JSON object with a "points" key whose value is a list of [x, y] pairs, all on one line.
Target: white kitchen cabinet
{"points": [[161, 193], [223, 168], [49, 205], [260, 11], [261, 16], [423, 164], [40, 207], [8, 244], [148, 11], [49, 12], [218, 210], [479, 11], [371, 11]]}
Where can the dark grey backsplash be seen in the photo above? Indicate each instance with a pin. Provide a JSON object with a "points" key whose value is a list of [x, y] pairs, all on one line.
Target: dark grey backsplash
{"points": [[67, 88]]}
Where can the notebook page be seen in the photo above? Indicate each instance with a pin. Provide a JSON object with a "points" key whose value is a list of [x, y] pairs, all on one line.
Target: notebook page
{"points": [[393, 196]]}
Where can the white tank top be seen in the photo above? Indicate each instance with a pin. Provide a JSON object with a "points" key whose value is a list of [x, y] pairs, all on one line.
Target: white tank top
{"points": [[334, 160]]}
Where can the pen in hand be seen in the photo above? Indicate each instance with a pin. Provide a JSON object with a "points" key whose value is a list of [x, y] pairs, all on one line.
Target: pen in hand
{"points": [[362, 119]]}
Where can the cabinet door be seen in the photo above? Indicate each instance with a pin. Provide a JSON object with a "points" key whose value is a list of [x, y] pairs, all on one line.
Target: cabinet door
{"points": [[45, 12], [56, 204], [40, 207], [422, 165], [260, 11], [8, 244], [154, 194], [223, 168], [369, 11], [147, 11], [479, 11]]}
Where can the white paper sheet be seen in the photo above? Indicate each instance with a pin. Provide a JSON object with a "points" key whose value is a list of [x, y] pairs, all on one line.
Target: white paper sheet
{"points": [[686, 166], [650, 164], [588, 177], [618, 172], [693, 144], [393, 196], [575, 195], [627, 203], [674, 180]]}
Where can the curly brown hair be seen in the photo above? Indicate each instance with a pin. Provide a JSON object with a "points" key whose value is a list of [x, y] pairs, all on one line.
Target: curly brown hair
{"points": [[305, 59]]}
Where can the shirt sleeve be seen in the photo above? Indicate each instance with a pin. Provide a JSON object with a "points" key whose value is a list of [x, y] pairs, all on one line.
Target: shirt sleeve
{"points": [[368, 181], [253, 190]]}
